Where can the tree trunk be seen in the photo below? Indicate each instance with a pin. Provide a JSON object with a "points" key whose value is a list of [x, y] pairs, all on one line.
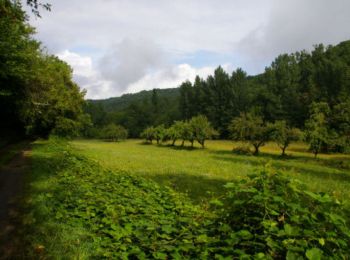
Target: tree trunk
{"points": [[256, 152], [284, 151], [173, 142], [183, 143]]}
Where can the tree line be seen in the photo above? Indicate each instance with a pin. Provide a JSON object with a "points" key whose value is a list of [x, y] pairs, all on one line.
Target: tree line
{"points": [[196, 129], [306, 90], [37, 94]]}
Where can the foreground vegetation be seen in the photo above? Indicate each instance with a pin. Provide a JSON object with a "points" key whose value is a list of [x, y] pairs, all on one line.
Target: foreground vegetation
{"points": [[94, 209]]}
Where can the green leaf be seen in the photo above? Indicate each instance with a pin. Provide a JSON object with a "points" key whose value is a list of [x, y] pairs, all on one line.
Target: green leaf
{"points": [[321, 241], [314, 254]]}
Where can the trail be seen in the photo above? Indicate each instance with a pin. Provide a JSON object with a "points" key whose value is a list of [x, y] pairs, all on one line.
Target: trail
{"points": [[12, 177]]}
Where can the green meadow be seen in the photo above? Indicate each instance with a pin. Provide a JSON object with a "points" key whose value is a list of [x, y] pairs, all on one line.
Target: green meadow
{"points": [[203, 172], [130, 200]]}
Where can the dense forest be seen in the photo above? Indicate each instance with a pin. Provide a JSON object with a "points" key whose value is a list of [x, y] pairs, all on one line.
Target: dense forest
{"points": [[37, 93], [293, 88]]}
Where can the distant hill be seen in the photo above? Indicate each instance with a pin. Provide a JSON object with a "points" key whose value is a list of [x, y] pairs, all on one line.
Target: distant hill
{"points": [[116, 104]]}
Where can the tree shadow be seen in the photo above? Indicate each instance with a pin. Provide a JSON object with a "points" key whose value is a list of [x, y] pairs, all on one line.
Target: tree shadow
{"points": [[280, 163], [198, 188], [174, 147]]}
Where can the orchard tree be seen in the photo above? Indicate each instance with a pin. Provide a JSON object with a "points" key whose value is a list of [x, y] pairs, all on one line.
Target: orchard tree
{"points": [[316, 129], [160, 133], [283, 135], [252, 129], [187, 133], [149, 134], [175, 131], [202, 129]]}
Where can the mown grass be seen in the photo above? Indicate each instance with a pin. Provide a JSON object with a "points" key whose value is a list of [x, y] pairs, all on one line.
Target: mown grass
{"points": [[200, 172]]}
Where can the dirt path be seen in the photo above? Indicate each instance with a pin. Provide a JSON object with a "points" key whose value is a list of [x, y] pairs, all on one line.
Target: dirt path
{"points": [[12, 178]]}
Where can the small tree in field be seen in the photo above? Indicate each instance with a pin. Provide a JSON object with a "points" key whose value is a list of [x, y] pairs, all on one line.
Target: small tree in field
{"points": [[149, 134], [202, 129], [187, 133], [250, 128], [175, 131], [316, 130], [283, 135], [114, 132], [160, 133]]}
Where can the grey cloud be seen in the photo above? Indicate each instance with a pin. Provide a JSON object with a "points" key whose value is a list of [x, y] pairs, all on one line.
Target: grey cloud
{"points": [[130, 60], [296, 25]]}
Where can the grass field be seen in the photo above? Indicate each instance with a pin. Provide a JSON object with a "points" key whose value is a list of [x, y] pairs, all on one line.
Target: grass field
{"points": [[197, 171], [95, 199]]}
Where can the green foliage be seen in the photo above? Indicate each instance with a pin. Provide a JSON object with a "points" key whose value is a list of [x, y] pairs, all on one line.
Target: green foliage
{"points": [[283, 135], [149, 134], [175, 131], [252, 129], [316, 129], [274, 215], [37, 92], [123, 216], [114, 133], [112, 214], [202, 129]]}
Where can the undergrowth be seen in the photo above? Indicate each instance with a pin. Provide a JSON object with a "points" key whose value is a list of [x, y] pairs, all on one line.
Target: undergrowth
{"points": [[78, 209]]}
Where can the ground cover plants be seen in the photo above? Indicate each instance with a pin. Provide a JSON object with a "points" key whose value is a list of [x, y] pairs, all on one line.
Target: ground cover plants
{"points": [[81, 208]]}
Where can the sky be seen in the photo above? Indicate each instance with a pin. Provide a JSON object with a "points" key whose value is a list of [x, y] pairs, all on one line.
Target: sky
{"points": [[125, 46]]}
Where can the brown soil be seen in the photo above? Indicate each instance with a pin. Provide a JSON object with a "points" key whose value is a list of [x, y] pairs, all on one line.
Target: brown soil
{"points": [[12, 178]]}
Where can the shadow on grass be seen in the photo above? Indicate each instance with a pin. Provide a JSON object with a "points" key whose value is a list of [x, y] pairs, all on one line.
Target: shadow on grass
{"points": [[339, 162], [198, 187], [174, 147], [280, 163]]}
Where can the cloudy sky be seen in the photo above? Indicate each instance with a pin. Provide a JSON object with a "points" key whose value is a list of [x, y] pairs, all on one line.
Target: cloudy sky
{"points": [[124, 46]]}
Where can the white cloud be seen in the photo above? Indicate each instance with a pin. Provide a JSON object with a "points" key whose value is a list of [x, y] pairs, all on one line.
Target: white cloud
{"points": [[98, 87], [172, 77], [121, 43], [86, 76]]}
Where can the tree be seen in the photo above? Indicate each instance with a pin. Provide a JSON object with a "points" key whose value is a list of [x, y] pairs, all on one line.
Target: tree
{"points": [[187, 133], [160, 133], [202, 129], [114, 133], [252, 129], [316, 130], [175, 131], [283, 135], [149, 134]]}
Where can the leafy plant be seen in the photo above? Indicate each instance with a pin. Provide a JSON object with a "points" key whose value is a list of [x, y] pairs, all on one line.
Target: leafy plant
{"points": [[277, 217]]}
